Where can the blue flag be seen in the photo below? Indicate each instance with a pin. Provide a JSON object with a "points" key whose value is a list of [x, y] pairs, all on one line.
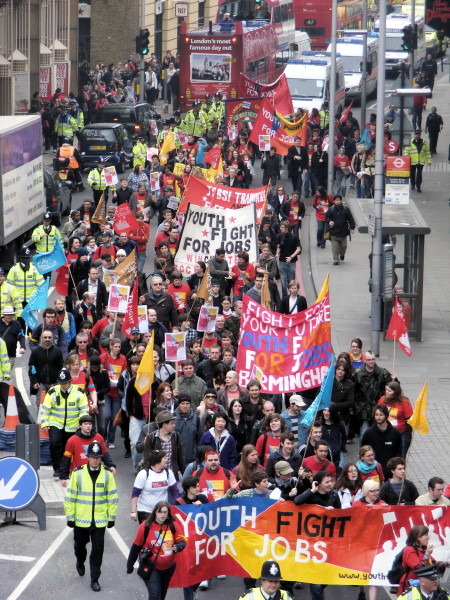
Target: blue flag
{"points": [[323, 399], [37, 302], [365, 138], [49, 261]]}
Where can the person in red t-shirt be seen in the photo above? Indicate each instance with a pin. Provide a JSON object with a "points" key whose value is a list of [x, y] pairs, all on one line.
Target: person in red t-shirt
{"points": [[141, 236], [173, 239], [162, 235], [242, 273], [319, 461], [269, 442], [107, 247], [179, 291], [114, 363], [214, 480], [341, 171], [164, 540]]}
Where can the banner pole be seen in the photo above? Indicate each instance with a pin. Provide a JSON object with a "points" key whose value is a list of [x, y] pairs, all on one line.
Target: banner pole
{"points": [[114, 324]]}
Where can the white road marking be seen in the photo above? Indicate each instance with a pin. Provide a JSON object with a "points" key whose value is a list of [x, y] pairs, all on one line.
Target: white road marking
{"points": [[17, 558], [39, 565], [119, 541], [20, 385]]}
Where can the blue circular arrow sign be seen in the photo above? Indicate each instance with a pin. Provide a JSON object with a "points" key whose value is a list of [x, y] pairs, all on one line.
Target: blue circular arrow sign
{"points": [[19, 483]]}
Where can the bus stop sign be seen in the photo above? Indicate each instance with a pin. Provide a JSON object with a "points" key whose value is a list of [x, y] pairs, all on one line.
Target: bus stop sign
{"points": [[19, 483]]}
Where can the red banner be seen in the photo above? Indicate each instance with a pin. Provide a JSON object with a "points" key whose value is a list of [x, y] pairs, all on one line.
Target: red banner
{"points": [[45, 83], [278, 91], [293, 351], [131, 318], [353, 546], [200, 192], [213, 157], [124, 220], [62, 280], [397, 328], [238, 110]]}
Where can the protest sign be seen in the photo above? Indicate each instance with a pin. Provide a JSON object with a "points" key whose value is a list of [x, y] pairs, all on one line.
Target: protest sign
{"points": [[353, 546], [175, 346], [207, 318], [152, 152], [204, 193], [293, 351], [110, 175], [154, 181], [142, 318], [153, 126], [264, 143], [118, 298], [206, 229]]}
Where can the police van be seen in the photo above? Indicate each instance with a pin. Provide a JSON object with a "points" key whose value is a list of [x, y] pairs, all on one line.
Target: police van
{"points": [[350, 48], [395, 54], [309, 78]]}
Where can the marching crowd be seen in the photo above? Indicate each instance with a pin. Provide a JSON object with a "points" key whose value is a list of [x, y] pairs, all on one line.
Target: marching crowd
{"points": [[196, 421]]}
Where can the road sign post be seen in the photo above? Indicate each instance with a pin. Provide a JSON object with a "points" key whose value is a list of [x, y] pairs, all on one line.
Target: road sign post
{"points": [[19, 487]]}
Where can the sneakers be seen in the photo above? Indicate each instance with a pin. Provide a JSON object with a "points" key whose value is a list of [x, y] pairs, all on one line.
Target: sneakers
{"points": [[204, 585], [336, 262], [128, 454], [110, 445], [352, 187], [342, 258]]}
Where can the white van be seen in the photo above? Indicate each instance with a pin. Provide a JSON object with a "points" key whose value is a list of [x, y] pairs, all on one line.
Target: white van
{"points": [[350, 48], [395, 55], [308, 79]]}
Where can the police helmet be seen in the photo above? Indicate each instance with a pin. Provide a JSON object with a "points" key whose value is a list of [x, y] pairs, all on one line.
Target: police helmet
{"points": [[94, 450], [24, 252], [64, 376]]}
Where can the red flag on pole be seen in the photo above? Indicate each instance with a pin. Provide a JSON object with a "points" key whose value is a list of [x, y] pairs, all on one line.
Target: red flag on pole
{"points": [[124, 220], [62, 280], [131, 316], [212, 157], [397, 328], [345, 113]]}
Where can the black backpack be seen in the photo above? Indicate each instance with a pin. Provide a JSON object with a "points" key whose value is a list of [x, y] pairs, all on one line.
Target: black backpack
{"points": [[397, 570]]}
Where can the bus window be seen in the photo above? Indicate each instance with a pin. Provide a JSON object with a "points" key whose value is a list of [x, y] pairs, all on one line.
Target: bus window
{"points": [[306, 88], [257, 68], [281, 58], [284, 12], [277, 14]]}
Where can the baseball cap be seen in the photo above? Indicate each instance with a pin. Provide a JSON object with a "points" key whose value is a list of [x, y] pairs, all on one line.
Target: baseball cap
{"points": [[283, 467], [297, 399], [135, 330]]}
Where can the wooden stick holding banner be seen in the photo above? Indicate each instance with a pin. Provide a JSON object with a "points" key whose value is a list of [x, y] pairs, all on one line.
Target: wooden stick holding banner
{"points": [[114, 324]]}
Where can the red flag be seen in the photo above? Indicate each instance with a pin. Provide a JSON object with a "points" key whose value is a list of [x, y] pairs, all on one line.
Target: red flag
{"points": [[278, 91], [62, 280], [345, 113], [397, 328], [124, 220], [131, 316], [212, 157]]}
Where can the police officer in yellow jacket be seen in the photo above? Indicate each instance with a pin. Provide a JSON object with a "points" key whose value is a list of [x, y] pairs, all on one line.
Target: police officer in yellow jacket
{"points": [[24, 276], [90, 505], [324, 113], [427, 587], [195, 122], [5, 365], [44, 236], [9, 295], [419, 152], [62, 408], [140, 152], [270, 584], [77, 114], [65, 126], [96, 180]]}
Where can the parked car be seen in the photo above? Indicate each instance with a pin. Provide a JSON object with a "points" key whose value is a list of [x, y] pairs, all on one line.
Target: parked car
{"points": [[58, 197], [109, 142], [134, 117]]}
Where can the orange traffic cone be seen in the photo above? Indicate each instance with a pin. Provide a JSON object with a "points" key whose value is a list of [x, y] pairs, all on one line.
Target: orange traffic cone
{"points": [[12, 415], [43, 433]]}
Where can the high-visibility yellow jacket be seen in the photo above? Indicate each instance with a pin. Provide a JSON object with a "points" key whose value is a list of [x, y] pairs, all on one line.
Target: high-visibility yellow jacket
{"points": [[43, 242], [5, 365], [87, 503], [25, 282], [256, 594], [194, 124], [414, 594], [139, 153], [324, 118], [96, 179], [65, 126], [418, 158], [9, 294], [64, 413]]}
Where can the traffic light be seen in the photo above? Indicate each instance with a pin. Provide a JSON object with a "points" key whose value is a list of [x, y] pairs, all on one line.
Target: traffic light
{"points": [[414, 37], [407, 38], [142, 42]]}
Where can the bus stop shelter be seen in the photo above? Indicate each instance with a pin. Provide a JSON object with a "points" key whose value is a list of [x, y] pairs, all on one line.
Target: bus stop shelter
{"points": [[404, 231]]}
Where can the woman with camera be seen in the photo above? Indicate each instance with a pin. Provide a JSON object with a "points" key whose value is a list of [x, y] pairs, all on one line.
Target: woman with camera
{"points": [[157, 541]]}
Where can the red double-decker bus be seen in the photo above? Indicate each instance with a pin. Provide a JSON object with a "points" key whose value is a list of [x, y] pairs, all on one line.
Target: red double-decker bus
{"points": [[258, 41], [314, 17]]}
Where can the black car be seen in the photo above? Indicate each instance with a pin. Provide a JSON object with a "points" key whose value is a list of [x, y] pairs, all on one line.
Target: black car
{"points": [[134, 117], [108, 142], [57, 196]]}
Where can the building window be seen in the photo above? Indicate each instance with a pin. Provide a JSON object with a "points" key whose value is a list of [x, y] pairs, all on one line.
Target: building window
{"points": [[158, 36], [201, 14]]}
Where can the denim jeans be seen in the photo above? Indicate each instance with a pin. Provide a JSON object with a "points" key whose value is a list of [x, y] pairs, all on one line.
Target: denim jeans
{"points": [[141, 261], [316, 591], [309, 182], [112, 406], [158, 583], [287, 274], [136, 426], [320, 231]]}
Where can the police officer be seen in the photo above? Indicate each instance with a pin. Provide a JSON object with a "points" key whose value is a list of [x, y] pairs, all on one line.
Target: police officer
{"points": [[24, 276], [67, 151], [63, 406], [162, 134], [194, 121], [420, 154], [11, 333], [209, 111], [9, 294], [77, 114], [90, 505], [219, 107], [427, 587], [324, 113], [140, 152], [270, 584], [96, 180], [65, 126], [45, 235]]}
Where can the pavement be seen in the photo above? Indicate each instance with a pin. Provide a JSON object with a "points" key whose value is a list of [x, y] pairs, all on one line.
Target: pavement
{"points": [[351, 305]]}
